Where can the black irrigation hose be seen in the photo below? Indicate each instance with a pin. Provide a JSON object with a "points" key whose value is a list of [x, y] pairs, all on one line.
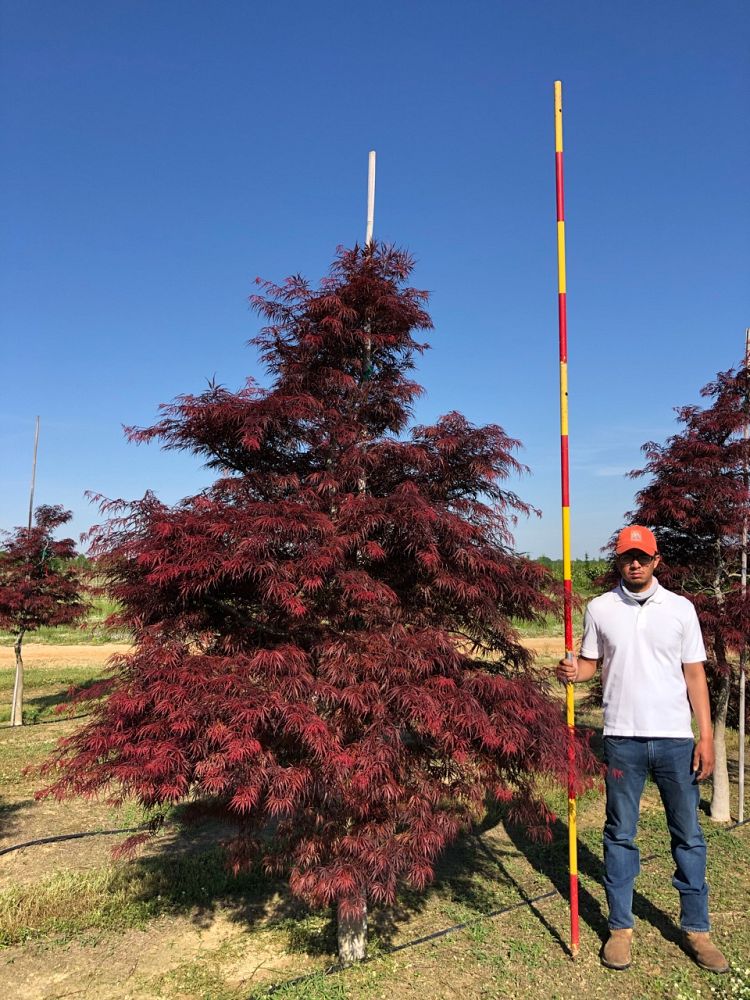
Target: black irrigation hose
{"points": [[74, 836], [337, 967], [148, 826]]}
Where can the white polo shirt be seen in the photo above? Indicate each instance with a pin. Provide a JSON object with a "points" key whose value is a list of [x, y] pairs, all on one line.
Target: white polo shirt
{"points": [[643, 647]]}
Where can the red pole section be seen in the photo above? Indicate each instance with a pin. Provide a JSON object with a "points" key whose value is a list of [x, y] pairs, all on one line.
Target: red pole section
{"points": [[562, 315]]}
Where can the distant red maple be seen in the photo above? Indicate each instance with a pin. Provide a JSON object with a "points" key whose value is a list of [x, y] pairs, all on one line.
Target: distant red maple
{"points": [[39, 585], [324, 637], [697, 500]]}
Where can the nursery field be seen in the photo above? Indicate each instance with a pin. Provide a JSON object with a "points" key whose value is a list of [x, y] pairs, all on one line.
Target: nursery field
{"points": [[172, 923]]}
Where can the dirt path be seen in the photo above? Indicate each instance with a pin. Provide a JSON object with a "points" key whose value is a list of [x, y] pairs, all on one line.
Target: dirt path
{"points": [[39, 654], [51, 655], [545, 645]]}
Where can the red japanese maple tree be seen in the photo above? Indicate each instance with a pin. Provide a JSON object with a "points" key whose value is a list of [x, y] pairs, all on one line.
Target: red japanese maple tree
{"points": [[697, 501], [39, 585], [324, 639]]}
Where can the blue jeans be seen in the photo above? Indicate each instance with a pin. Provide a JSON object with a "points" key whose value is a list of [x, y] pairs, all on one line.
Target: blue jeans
{"points": [[629, 760]]}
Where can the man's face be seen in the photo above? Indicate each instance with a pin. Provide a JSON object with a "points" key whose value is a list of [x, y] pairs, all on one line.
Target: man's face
{"points": [[637, 569]]}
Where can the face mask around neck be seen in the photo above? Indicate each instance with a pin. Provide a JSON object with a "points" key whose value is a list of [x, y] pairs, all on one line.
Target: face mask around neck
{"points": [[641, 595]]}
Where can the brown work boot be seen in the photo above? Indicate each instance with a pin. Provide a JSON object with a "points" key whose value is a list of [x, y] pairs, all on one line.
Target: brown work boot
{"points": [[616, 952], [703, 952]]}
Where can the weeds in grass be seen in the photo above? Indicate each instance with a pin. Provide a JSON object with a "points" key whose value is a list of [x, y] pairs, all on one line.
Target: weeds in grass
{"points": [[734, 986], [204, 979]]}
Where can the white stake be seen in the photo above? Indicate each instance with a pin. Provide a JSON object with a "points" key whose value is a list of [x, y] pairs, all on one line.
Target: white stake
{"points": [[743, 652], [368, 242], [370, 198], [33, 473]]}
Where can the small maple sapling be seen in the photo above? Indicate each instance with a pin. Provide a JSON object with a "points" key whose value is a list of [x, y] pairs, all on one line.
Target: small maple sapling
{"points": [[39, 585], [323, 637], [697, 502]]}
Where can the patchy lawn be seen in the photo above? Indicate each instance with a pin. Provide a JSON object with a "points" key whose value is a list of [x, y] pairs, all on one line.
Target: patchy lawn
{"points": [[172, 923]]}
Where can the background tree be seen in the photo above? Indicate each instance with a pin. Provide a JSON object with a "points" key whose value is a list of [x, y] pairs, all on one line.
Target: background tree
{"points": [[39, 585], [696, 502], [324, 644]]}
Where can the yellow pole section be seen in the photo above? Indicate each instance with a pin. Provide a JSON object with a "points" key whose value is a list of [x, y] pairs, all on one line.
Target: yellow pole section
{"points": [[565, 481]]}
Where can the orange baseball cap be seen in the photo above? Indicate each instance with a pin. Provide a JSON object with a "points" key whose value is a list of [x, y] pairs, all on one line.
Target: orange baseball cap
{"points": [[636, 537]]}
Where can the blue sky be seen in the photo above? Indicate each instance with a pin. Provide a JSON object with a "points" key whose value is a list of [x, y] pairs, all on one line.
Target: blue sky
{"points": [[157, 156]]}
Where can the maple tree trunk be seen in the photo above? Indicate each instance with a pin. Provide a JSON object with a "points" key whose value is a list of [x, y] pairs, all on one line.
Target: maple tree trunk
{"points": [[16, 709], [352, 935], [720, 811]]}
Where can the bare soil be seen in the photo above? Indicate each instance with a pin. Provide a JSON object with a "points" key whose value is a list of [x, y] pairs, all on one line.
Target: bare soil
{"points": [[545, 645], [140, 963], [39, 654], [47, 655]]}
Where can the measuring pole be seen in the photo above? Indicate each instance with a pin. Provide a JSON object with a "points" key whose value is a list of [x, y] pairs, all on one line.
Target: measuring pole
{"points": [[743, 581], [562, 315]]}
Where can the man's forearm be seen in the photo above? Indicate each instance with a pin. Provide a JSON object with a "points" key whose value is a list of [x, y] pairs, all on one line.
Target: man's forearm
{"points": [[697, 688]]}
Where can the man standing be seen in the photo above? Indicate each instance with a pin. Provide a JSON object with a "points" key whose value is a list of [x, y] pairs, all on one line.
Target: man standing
{"points": [[650, 645]]}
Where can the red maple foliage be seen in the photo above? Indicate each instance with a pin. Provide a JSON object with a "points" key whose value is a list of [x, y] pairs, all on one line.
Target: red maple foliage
{"points": [[324, 644], [38, 583], [697, 501]]}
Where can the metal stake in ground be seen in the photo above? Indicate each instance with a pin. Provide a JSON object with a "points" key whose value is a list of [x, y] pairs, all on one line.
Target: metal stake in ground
{"points": [[370, 197], [352, 923], [16, 708], [565, 482], [743, 580]]}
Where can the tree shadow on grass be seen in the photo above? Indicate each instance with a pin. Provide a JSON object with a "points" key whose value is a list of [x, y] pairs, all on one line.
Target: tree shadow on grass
{"points": [[10, 820], [184, 871], [551, 861], [41, 709], [471, 881]]}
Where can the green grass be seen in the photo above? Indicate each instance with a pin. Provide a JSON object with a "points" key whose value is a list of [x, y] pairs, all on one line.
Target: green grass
{"points": [[45, 689], [18, 753], [583, 574], [517, 953], [204, 979], [316, 987], [65, 904], [90, 631]]}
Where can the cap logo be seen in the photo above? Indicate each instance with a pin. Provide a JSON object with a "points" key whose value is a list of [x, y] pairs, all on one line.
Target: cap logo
{"points": [[636, 536]]}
